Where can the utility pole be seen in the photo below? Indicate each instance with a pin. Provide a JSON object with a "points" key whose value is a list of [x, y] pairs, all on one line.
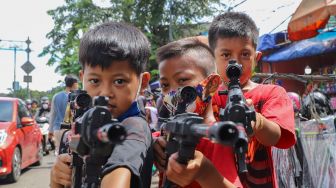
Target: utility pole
{"points": [[13, 46], [28, 78]]}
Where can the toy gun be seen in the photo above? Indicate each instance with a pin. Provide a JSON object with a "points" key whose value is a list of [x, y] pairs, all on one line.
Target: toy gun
{"points": [[92, 136], [187, 129], [95, 134], [184, 130], [78, 103], [239, 112]]}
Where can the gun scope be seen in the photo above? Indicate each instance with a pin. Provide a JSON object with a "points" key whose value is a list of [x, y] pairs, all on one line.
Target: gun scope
{"points": [[234, 69]]}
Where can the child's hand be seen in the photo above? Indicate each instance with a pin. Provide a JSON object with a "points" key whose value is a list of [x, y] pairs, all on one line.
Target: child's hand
{"points": [[181, 174], [61, 171], [159, 152], [258, 124]]}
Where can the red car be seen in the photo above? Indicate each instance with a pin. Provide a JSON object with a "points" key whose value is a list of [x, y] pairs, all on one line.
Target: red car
{"points": [[20, 139]]}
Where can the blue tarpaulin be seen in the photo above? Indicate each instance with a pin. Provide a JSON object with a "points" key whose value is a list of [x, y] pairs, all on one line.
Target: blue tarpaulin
{"points": [[321, 44], [154, 85], [271, 41]]}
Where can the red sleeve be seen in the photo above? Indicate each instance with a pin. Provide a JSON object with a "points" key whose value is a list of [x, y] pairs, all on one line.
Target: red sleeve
{"points": [[278, 108]]}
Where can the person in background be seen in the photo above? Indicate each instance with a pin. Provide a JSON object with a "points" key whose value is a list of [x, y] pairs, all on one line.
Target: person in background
{"points": [[58, 106], [34, 107]]}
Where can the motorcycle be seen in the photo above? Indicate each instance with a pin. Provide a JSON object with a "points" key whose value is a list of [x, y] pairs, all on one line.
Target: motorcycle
{"points": [[44, 127]]}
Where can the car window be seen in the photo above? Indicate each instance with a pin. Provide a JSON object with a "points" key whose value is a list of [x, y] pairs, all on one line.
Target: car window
{"points": [[23, 111], [6, 109]]}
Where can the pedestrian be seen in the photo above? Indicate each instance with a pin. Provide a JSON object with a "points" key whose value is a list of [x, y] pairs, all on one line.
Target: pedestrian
{"points": [[58, 107]]}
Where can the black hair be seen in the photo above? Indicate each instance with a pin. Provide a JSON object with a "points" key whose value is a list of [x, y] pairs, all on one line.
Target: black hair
{"points": [[114, 41], [70, 80], [202, 54], [34, 101], [232, 24]]}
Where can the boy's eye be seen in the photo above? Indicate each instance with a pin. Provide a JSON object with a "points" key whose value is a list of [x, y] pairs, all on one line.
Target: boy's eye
{"points": [[119, 81], [164, 87], [182, 80], [246, 54], [93, 81], [226, 55]]}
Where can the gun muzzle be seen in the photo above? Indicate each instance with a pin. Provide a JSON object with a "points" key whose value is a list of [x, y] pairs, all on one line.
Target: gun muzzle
{"points": [[224, 132], [111, 133]]}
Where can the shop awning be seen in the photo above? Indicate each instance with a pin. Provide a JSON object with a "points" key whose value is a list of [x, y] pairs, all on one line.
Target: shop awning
{"points": [[309, 17], [321, 44], [271, 41]]}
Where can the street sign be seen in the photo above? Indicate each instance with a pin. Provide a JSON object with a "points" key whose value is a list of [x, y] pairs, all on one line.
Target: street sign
{"points": [[16, 86], [28, 67], [27, 78]]}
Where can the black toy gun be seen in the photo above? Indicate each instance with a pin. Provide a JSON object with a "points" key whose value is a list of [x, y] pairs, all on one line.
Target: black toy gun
{"points": [[239, 112], [183, 130], [187, 129], [78, 103], [91, 138], [95, 134]]}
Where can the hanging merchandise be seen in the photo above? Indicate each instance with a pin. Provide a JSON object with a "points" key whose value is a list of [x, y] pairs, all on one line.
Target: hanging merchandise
{"points": [[318, 140]]}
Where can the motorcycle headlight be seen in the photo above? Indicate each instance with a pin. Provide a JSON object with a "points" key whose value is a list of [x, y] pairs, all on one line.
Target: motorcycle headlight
{"points": [[3, 136]]}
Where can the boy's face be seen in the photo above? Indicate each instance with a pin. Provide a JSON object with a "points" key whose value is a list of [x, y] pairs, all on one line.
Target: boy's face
{"points": [[238, 49], [119, 82], [179, 71]]}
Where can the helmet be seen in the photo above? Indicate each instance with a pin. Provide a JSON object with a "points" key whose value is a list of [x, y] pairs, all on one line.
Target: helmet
{"points": [[318, 100], [296, 100], [44, 100], [28, 101]]}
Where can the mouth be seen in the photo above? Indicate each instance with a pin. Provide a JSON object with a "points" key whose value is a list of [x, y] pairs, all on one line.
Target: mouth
{"points": [[111, 107]]}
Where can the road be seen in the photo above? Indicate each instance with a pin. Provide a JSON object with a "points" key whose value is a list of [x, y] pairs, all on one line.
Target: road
{"points": [[35, 176], [38, 176]]}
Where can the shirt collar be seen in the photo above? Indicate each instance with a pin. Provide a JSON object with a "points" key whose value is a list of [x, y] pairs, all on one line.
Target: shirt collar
{"points": [[133, 110]]}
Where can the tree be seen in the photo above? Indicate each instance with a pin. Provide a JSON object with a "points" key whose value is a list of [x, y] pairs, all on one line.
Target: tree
{"points": [[156, 18], [22, 93]]}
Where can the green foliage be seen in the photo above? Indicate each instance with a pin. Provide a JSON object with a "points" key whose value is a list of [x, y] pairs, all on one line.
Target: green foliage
{"points": [[34, 94], [154, 75], [153, 17]]}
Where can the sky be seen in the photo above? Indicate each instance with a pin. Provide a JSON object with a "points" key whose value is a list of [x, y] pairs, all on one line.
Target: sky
{"points": [[22, 18]]}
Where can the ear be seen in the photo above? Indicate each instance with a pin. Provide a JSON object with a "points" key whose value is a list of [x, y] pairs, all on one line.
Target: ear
{"points": [[145, 81], [258, 55], [81, 75]]}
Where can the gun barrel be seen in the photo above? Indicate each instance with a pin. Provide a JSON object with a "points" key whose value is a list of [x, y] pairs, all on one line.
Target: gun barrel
{"points": [[111, 133], [224, 132]]}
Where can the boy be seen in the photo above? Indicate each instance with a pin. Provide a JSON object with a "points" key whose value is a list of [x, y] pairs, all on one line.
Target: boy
{"points": [[233, 36], [186, 62], [113, 57]]}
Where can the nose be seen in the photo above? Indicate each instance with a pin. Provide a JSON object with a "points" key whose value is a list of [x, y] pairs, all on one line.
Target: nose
{"points": [[173, 87], [106, 90]]}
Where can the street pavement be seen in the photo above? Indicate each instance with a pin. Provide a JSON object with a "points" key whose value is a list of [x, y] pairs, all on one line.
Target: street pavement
{"points": [[38, 176], [34, 176]]}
